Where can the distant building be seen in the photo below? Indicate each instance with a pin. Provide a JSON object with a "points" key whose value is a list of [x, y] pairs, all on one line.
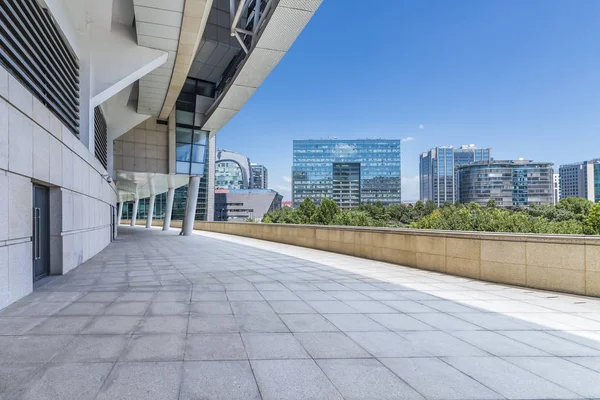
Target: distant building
{"points": [[512, 183], [437, 171], [556, 187], [241, 204], [232, 171], [350, 172], [287, 204], [260, 176], [580, 179]]}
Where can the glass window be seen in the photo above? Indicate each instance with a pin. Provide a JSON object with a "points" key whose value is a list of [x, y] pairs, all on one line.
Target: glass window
{"points": [[199, 154], [200, 137], [185, 117], [183, 152], [183, 167], [197, 169], [184, 135]]}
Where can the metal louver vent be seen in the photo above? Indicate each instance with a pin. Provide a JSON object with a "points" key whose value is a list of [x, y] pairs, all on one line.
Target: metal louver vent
{"points": [[100, 137], [33, 50]]}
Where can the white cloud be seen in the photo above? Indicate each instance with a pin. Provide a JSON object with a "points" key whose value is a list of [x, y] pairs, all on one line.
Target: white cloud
{"points": [[421, 126], [286, 179], [410, 188], [408, 139]]}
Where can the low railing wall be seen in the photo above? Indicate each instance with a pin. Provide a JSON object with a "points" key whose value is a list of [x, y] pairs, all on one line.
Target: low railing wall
{"points": [[155, 222], [553, 262]]}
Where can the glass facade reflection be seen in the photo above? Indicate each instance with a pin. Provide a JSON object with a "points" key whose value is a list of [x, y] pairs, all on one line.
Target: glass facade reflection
{"points": [[348, 171], [437, 180], [512, 183]]}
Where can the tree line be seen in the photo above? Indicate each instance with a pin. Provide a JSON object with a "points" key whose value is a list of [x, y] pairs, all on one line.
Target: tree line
{"points": [[570, 216]]}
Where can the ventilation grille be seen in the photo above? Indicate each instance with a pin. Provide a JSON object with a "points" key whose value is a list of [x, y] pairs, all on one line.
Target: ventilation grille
{"points": [[33, 50], [100, 137]]}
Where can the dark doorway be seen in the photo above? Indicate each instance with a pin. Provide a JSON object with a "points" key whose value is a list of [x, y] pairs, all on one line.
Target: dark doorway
{"points": [[41, 232]]}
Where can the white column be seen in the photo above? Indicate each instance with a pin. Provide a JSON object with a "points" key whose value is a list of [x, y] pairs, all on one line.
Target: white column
{"points": [[134, 213], [190, 206], [170, 198], [150, 211], [120, 213]]}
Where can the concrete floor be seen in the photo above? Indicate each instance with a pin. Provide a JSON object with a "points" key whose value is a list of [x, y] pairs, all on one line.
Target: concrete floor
{"points": [[159, 316]]}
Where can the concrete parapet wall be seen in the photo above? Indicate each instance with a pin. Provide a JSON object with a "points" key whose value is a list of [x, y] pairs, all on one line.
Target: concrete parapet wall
{"points": [[562, 263]]}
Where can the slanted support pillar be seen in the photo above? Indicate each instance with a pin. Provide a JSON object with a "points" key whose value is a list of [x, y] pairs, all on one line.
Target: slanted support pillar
{"points": [[150, 211], [190, 206], [136, 203], [120, 213], [170, 198]]}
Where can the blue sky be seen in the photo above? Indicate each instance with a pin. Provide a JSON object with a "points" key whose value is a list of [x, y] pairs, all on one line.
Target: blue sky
{"points": [[521, 77]]}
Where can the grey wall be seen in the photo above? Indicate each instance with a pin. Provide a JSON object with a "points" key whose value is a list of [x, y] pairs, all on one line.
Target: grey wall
{"points": [[145, 148]]}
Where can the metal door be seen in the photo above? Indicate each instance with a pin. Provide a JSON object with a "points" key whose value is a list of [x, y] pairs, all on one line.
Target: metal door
{"points": [[41, 232]]}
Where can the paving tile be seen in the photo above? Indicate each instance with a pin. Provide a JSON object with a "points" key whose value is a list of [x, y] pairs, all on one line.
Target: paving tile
{"points": [[592, 363], [442, 344], [354, 323], [278, 295], [371, 307], [58, 325], [315, 295], [400, 322], [212, 324], [135, 296], [435, 379], [260, 323], [330, 345], [101, 297], [245, 295], [571, 376], [210, 347], [445, 322], [307, 323], [387, 344], [208, 296], [407, 306], [117, 325], [168, 308], [497, 344], [551, 344], [211, 307], [14, 378], [332, 307], [219, 380], [84, 309], [366, 379], [251, 307], [93, 348], [303, 380], [492, 321], [509, 380], [127, 308], [175, 296], [69, 382], [18, 325], [263, 346], [163, 324], [147, 381], [31, 349], [163, 347], [291, 307]]}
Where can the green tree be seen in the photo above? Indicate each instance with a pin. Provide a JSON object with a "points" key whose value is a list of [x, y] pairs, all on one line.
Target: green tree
{"points": [[325, 213], [591, 224], [578, 206], [267, 220], [306, 210], [491, 203]]}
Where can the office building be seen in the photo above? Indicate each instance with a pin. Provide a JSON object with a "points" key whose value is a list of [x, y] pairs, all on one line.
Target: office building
{"points": [[240, 205], [581, 179], [260, 176], [437, 180], [233, 171], [512, 183], [556, 187], [104, 103], [350, 172]]}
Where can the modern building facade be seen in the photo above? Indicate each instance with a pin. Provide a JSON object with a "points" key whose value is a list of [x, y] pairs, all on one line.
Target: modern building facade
{"points": [[556, 187], [581, 179], [232, 171], [350, 172], [437, 180], [512, 183], [239, 205], [260, 176], [106, 102]]}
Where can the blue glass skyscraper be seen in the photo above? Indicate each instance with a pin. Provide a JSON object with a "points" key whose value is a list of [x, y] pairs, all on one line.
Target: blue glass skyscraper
{"points": [[350, 172], [437, 180]]}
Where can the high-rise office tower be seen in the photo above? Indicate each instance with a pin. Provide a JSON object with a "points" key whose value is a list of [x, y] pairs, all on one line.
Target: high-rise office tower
{"points": [[232, 171], [437, 171], [260, 176], [350, 172], [512, 183], [556, 187], [581, 179]]}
